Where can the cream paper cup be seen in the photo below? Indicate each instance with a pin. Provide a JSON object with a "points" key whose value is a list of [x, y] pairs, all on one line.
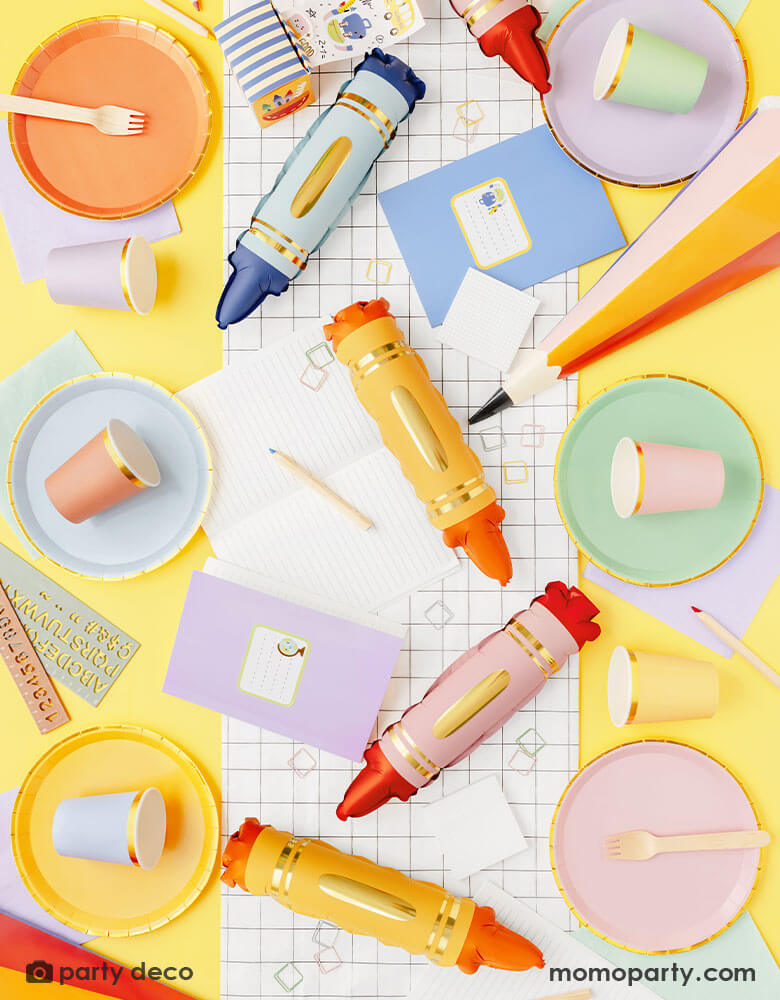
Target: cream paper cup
{"points": [[640, 68], [649, 687], [119, 274], [651, 478], [127, 828], [113, 466]]}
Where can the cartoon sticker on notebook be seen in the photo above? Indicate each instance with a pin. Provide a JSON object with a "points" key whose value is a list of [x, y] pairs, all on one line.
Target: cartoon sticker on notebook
{"points": [[273, 665], [490, 222]]}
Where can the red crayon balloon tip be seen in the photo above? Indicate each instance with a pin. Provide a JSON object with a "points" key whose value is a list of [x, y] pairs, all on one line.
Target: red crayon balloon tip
{"points": [[696, 611], [376, 784], [490, 943], [514, 39]]}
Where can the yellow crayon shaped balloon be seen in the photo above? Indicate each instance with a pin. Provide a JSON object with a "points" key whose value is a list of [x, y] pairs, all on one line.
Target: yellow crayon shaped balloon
{"points": [[317, 880], [394, 386]]}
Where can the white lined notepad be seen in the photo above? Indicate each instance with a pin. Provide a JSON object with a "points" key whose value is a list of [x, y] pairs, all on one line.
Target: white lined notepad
{"points": [[263, 518]]}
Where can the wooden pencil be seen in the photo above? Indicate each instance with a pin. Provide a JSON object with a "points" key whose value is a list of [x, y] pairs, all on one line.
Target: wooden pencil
{"points": [[339, 503], [738, 646]]}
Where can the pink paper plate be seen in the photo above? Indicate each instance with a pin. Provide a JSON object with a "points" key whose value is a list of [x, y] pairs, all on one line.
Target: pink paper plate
{"points": [[674, 901], [640, 147]]}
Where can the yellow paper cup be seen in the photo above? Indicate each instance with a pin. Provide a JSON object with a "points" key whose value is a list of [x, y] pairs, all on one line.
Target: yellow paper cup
{"points": [[640, 68], [650, 687]]}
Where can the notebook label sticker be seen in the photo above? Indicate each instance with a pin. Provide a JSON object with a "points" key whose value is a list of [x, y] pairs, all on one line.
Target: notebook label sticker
{"points": [[490, 222], [273, 665]]}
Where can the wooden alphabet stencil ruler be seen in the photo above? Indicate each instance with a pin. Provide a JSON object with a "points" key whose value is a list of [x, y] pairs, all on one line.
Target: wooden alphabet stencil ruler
{"points": [[28, 672]]}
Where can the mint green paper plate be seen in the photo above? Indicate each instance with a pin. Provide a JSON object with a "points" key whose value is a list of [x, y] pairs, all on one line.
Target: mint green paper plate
{"points": [[657, 550]]}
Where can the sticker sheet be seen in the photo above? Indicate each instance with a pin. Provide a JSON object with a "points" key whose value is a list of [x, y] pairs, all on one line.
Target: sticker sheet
{"points": [[327, 31]]}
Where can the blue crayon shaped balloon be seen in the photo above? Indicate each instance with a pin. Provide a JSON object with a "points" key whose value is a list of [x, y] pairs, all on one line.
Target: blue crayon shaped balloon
{"points": [[315, 187]]}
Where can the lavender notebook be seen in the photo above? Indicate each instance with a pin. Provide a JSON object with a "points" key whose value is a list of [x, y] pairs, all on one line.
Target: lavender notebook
{"points": [[311, 676]]}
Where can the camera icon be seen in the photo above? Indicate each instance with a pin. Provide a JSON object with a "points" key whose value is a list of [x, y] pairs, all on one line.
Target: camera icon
{"points": [[39, 972]]}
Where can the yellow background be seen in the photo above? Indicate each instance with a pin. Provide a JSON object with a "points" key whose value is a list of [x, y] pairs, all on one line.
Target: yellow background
{"points": [[178, 343], [731, 346]]}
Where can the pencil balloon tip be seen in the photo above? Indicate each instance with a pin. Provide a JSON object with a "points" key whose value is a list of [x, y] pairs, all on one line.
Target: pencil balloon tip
{"points": [[695, 610], [272, 450]]}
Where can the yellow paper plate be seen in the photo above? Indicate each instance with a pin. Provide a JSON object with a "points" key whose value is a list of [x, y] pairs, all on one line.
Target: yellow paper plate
{"points": [[104, 899]]}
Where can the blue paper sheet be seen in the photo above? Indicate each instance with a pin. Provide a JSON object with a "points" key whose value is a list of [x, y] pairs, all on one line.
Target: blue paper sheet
{"points": [[520, 210]]}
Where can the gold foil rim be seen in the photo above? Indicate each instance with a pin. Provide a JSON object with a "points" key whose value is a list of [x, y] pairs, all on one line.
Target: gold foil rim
{"points": [[174, 44], [622, 65], [197, 521], [589, 558], [132, 818], [656, 185], [612, 941]]}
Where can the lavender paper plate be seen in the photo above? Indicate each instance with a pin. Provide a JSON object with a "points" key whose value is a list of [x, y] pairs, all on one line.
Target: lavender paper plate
{"points": [[634, 146]]}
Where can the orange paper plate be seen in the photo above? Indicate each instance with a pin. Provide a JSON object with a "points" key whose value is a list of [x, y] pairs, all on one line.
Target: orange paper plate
{"points": [[121, 61], [103, 899]]}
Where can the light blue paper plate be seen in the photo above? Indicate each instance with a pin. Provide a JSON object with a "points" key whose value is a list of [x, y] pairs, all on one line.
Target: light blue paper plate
{"points": [[139, 534]]}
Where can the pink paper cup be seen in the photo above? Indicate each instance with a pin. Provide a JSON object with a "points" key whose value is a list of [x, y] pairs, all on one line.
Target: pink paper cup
{"points": [[649, 478], [119, 274], [110, 468]]}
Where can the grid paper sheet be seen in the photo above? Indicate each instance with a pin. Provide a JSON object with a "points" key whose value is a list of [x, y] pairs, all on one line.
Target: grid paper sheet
{"points": [[266, 950]]}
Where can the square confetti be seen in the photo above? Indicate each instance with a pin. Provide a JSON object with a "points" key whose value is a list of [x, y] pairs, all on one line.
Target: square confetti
{"points": [[379, 271], [288, 977], [328, 960], [313, 378], [438, 614], [302, 762], [531, 742], [320, 355], [516, 473]]}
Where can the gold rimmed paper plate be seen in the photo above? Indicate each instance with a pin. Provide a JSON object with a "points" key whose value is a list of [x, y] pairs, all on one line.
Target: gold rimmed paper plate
{"points": [[111, 900], [633, 146], [112, 61], [672, 902], [657, 550], [139, 534]]}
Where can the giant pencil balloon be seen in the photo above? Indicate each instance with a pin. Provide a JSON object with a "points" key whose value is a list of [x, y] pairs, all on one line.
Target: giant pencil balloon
{"points": [[315, 187], [720, 232]]}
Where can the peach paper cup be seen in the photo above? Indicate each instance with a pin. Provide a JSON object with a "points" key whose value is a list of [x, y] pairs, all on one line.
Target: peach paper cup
{"points": [[113, 466]]}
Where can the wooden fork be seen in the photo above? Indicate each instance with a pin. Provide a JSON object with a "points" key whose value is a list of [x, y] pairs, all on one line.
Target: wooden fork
{"points": [[639, 845], [108, 119]]}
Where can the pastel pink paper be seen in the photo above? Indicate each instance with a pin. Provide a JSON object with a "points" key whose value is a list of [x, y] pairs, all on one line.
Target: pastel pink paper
{"points": [[88, 483], [752, 149], [674, 900], [498, 651], [88, 275], [680, 478]]}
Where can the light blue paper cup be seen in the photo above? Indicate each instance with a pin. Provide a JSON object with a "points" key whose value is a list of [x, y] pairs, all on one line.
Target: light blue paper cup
{"points": [[127, 828]]}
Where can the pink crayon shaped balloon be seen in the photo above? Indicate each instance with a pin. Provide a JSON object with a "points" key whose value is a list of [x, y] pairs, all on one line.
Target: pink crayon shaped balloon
{"points": [[474, 697]]}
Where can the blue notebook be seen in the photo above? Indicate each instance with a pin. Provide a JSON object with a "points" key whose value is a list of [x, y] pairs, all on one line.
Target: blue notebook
{"points": [[520, 210]]}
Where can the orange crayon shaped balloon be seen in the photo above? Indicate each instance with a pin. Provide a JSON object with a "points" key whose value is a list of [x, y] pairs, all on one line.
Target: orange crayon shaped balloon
{"points": [[317, 880], [393, 385]]}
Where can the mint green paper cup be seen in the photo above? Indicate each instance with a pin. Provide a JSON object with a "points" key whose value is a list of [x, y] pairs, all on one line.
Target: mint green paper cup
{"points": [[640, 68]]}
